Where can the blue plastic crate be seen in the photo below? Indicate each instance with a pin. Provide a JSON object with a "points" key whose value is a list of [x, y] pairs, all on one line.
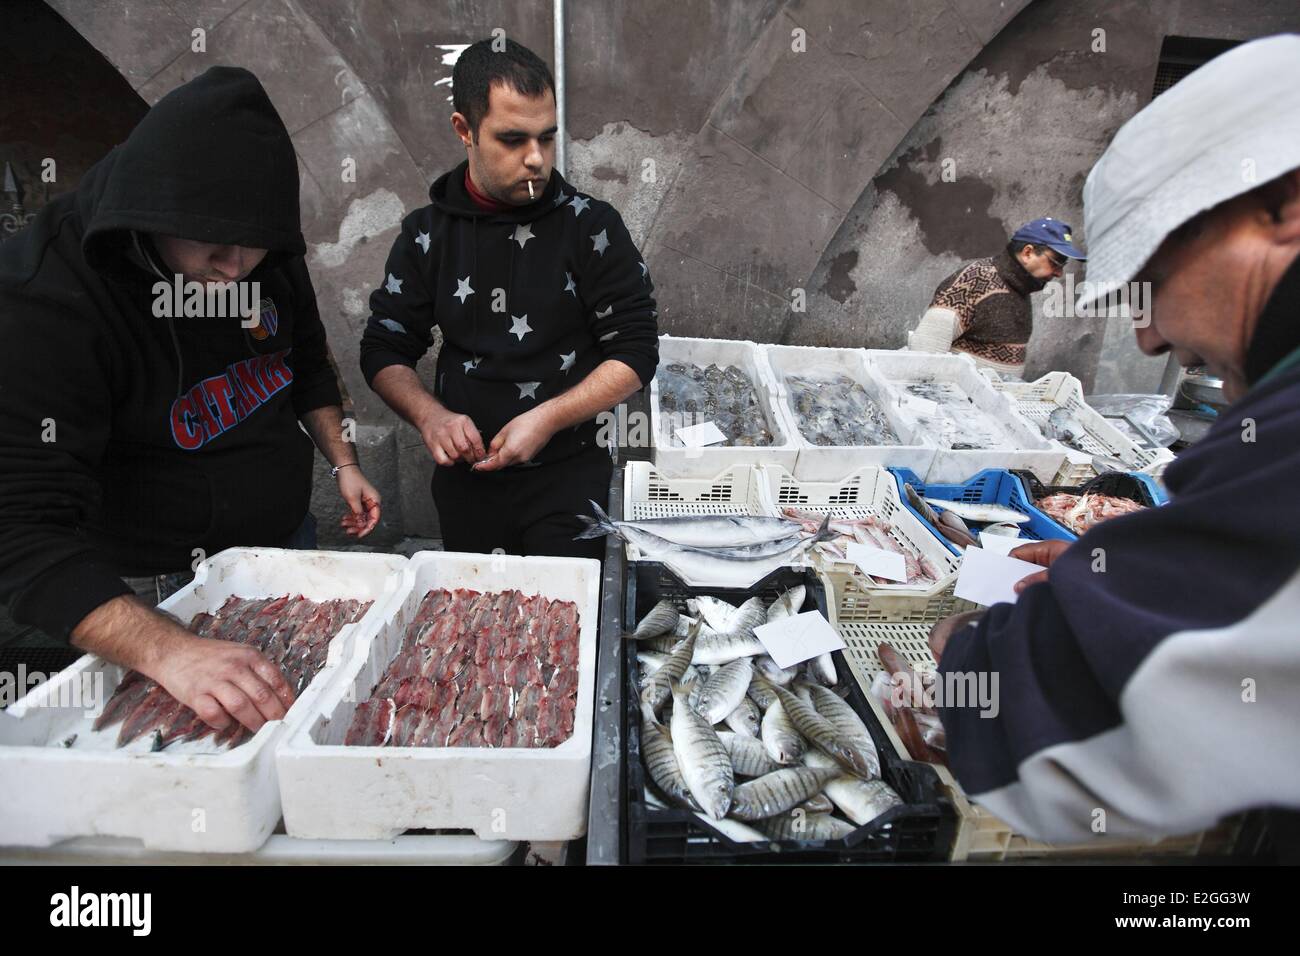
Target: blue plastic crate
{"points": [[1122, 484], [990, 486]]}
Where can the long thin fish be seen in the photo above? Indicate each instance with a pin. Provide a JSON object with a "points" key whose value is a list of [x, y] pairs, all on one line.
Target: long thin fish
{"points": [[697, 530]]}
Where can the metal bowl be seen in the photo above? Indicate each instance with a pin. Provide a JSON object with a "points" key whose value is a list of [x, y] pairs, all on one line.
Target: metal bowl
{"points": [[1202, 387]]}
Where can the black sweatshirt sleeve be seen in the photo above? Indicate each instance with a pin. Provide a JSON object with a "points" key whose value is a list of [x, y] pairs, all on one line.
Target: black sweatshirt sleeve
{"points": [[315, 384], [54, 426], [615, 284], [400, 329]]}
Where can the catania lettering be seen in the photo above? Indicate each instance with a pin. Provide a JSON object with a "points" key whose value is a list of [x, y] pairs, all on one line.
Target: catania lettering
{"points": [[217, 404], [103, 909]]}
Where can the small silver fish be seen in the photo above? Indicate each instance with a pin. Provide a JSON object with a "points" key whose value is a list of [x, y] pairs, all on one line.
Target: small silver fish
{"points": [[724, 690], [748, 616], [798, 825], [822, 670], [734, 830], [778, 791], [780, 739], [859, 800], [746, 719], [769, 669], [762, 697], [659, 687], [725, 648], [822, 734], [661, 761], [819, 803], [848, 725], [703, 759], [650, 662], [714, 612], [661, 620], [788, 604], [748, 756]]}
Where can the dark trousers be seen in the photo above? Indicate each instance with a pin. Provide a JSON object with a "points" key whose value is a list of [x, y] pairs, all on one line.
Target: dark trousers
{"points": [[526, 510]]}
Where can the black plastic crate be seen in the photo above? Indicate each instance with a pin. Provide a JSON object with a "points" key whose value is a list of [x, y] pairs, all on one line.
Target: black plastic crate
{"points": [[920, 831], [1117, 484]]}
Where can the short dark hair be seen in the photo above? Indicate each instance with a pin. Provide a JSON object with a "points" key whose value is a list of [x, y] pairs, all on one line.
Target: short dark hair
{"points": [[480, 66], [1015, 245]]}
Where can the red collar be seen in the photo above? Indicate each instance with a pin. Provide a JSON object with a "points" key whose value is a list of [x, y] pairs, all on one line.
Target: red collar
{"points": [[480, 199]]}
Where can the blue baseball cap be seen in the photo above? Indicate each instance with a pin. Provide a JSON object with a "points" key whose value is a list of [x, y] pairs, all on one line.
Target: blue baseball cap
{"points": [[1051, 233]]}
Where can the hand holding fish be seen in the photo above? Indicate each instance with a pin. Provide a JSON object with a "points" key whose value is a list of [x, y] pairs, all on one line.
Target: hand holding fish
{"points": [[518, 441], [451, 437], [220, 680], [1038, 552], [363, 503]]}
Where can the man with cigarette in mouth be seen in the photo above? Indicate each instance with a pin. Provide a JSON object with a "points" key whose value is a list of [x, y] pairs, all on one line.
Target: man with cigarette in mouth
{"points": [[547, 317]]}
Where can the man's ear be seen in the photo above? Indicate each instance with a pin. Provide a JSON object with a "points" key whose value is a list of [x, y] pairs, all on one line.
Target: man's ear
{"points": [[1285, 200], [461, 125]]}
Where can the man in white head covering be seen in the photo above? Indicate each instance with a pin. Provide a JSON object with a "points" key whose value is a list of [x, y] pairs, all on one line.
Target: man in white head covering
{"points": [[1149, 683]]}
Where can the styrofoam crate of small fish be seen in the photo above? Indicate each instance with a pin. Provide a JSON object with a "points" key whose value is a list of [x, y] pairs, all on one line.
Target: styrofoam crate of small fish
{"points": [[867, 497], [1039, 399], [866, 619], [333, 790], [974, 426], [740, 398], [840, 414], [60, 779]]}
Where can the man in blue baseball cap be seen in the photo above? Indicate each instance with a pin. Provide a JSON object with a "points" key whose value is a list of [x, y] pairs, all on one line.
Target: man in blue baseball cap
{"points": [[983, 308]]}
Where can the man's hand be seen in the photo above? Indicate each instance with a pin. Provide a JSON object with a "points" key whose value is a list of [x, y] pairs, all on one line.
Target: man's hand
{"points": [[451, 438], [1038, 552], [362, 500], [219, 680], [943, 630], [521, 438]]}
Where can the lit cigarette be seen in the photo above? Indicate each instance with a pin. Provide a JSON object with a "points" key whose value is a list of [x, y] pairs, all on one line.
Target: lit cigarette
{"points": [[530, 190]]}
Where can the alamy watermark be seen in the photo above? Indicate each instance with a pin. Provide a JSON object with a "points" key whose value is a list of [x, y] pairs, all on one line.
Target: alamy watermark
{"points": [[929, 690], [84, 691], [1107, 300], [208, 300]]}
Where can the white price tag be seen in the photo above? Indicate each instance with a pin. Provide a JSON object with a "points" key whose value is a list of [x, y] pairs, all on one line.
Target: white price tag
{"points": [[801, 637], [697, 436], [1000, 543], [988, 578], [878, 562]]}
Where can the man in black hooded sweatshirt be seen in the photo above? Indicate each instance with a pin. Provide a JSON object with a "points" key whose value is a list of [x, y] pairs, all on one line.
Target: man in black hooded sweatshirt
{"points": [[546, 312], [139, 430]]}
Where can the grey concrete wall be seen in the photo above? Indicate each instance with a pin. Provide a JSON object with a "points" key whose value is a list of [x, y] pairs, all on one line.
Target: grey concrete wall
{"points": [[1023, 124], [754, 147]]}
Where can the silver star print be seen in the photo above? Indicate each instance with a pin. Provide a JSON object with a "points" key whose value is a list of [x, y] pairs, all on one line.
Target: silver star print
{"points": [[528, 389], [606, 338], [523, 232], [608, 311], [393, 285], [393, 326], [519, 325], [560, 197], [570, 286], [579, 204], [601, 242], [422, 240], [463, 291], [472, 364], [567, 360]]}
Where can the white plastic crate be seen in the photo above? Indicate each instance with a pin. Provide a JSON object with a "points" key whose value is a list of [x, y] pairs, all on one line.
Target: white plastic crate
{"points": [[1026, 448], [188, 797], [1038, 399], [332, 791], [867, 492], [829, 462], [677, 461]]}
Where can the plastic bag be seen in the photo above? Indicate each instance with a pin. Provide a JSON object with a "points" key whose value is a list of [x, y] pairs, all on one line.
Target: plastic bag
{"points": [[1148, 411]]}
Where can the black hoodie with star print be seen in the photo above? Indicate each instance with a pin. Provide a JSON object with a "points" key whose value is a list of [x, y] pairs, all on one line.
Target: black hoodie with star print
{"points": [[529, 302]]}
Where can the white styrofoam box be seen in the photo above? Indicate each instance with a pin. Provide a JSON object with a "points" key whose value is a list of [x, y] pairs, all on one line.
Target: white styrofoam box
{"points": [[829, 462], [870, 491], [1038, 399], [677, 461], [189, 797], [332, 791], [1027, 447]]}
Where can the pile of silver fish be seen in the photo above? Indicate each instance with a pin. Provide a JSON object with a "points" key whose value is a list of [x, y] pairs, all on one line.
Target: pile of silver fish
{"points": [[477, 670], [733, 551], [294, 634], [838, 411], [724, 396], [957, 423], [757, 752], [870, 530]]}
